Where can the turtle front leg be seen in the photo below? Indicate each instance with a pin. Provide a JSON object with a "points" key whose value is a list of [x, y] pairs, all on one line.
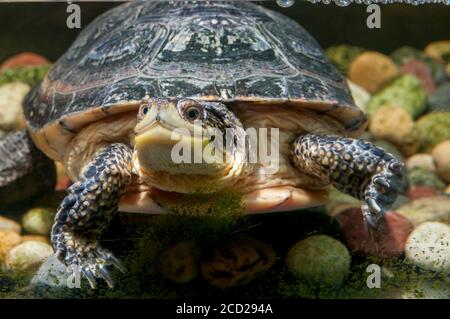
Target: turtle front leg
{"points": [[353, 166], [87, 211]]}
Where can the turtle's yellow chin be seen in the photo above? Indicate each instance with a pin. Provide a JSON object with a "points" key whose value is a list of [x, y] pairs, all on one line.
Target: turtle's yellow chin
{"points": [[184, 160]]}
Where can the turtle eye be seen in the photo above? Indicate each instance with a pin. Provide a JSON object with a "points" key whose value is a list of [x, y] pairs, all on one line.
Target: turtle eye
{"points": [[143, 110], [192, 111]]}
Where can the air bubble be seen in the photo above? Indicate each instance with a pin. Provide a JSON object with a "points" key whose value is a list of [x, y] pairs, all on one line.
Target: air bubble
{"points": [[342, 3], [285, 3]]}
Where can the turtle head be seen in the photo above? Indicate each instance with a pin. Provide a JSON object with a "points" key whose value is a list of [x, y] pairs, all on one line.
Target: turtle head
{"points": [[189, 146]]}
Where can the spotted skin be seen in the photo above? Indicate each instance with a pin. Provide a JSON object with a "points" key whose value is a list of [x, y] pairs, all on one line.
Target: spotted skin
{"points": [[353, 166], [87, 211]]}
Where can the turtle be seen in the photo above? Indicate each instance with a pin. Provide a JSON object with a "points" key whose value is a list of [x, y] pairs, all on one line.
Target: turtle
{"points": [[136, 85]]}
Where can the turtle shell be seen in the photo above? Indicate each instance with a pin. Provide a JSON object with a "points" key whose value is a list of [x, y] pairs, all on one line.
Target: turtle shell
{"points": [[231, 52]]}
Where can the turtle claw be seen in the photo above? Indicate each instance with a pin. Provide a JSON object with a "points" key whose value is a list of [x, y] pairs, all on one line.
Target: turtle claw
{"points": [[86, 271], [104, 273], [91, 259], [382, 191]]}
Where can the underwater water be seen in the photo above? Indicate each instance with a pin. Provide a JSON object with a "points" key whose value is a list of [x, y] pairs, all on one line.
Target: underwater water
{"points": [[399, 76]]}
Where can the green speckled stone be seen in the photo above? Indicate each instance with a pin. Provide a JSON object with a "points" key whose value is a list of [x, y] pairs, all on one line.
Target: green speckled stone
{"points": [[343, 55], [405, 91], [432, 129], [421, 177], [319, 260]]}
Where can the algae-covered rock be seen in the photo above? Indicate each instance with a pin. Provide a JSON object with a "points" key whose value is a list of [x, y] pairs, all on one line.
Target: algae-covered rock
{"points": [[394, 124], [404, 54], [343, 55], [23, 59], [38, 221], [180, 262], [11, 96], [441, 157], [439, 50], [422, 177], [439, 101], [371, 70], [421, 210], [433, 129], [428, 247], [319, 260], [237, 262], [405, 91], [30, 75], [359, 94], [26, 257]]}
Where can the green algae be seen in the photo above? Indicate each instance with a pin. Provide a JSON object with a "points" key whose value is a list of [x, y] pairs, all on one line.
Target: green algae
{"points": [[30, 75]]}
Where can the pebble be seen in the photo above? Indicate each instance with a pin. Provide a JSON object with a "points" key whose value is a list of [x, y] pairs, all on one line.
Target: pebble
{"points": [[26, 257], [405, 91], [404, 54], [11, 96], [23, 59], [38, 221], [359, 94], [428, 247], [417, 192], [237, 262], [8, 239], [439, 50], [393, 124], [180, 262], [422, 210], [421, 177], [441, 157], [421, 160], [42, 239], [432, 129], [9, 224], [439, 101], [421, 71], [371, 70], [388, 241], [320, 260], [342, 56]]}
